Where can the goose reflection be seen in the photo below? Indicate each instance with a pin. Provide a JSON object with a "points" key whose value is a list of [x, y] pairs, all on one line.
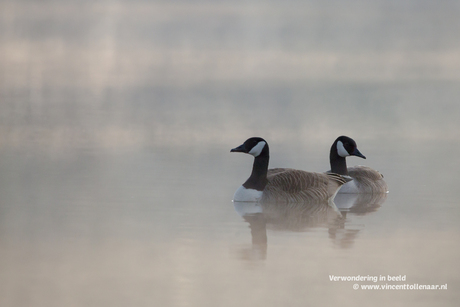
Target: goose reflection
{"points": [[258, 226], [304, 217], [293, 217], [359, 203], [353, 204]]}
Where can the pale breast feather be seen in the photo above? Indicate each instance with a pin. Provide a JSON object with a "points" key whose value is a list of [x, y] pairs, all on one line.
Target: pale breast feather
{"points": [[243, 194]]}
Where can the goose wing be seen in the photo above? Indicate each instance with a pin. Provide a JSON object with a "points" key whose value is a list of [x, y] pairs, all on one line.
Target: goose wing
{"points": [[364, 172], [368, 179], [290, 185]]}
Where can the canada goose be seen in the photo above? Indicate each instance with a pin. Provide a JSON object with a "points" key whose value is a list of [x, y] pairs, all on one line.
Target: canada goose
{"points": [[365, 179], [283, 185]]}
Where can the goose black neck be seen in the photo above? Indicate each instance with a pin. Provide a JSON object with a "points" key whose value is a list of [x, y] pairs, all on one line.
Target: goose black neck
{"points": [[258, 179], [338, 163]]}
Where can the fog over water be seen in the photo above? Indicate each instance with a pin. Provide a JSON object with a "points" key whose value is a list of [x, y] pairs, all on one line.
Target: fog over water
{"points": [[116, 124], [154, 72]]}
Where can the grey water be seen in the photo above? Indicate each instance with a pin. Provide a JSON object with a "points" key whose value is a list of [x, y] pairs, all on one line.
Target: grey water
{"points": [[116, 177]]}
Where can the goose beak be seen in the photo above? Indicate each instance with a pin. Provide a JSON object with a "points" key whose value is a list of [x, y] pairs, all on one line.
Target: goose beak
{"points": [[357, 153], [239, 149]]}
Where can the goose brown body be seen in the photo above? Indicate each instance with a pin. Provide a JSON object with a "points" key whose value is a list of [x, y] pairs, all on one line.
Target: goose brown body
{"points": [[367, 180], [291, 185], [283, 184]]}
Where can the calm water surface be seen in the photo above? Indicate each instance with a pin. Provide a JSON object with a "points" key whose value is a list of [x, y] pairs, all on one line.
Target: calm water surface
{"points": [[159, 227]]}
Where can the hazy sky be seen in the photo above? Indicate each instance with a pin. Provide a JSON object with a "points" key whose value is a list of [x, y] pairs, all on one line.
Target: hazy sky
{"points": [[123, 72]]}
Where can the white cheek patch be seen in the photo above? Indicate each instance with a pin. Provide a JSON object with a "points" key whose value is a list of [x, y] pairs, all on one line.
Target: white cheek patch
{"points": [[341, 150], [256, 150]]}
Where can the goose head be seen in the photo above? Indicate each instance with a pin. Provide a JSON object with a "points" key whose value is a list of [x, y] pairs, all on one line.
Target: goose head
{"points": [[255, 146], [345, 146]]}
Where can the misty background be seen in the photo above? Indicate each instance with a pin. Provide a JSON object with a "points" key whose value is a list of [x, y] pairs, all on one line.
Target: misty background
{"points": [[116, 122], [133, 74]]}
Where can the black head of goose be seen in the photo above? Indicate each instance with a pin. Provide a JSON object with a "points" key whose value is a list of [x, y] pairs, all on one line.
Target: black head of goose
{"points": [[365, 179], [283, 185]]}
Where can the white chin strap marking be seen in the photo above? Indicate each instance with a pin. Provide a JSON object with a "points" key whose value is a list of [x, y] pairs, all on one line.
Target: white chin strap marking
{"points": [[256, 150], [341, 150]]}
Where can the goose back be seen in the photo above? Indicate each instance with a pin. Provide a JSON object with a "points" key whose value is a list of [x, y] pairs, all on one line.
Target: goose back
{"points": [[290, 185], [366, 179]]}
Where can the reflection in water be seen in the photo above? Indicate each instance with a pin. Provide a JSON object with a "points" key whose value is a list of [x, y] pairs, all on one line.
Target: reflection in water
{"points": [[297, 217], [258, 225], [359, 203], [302, 217]]}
